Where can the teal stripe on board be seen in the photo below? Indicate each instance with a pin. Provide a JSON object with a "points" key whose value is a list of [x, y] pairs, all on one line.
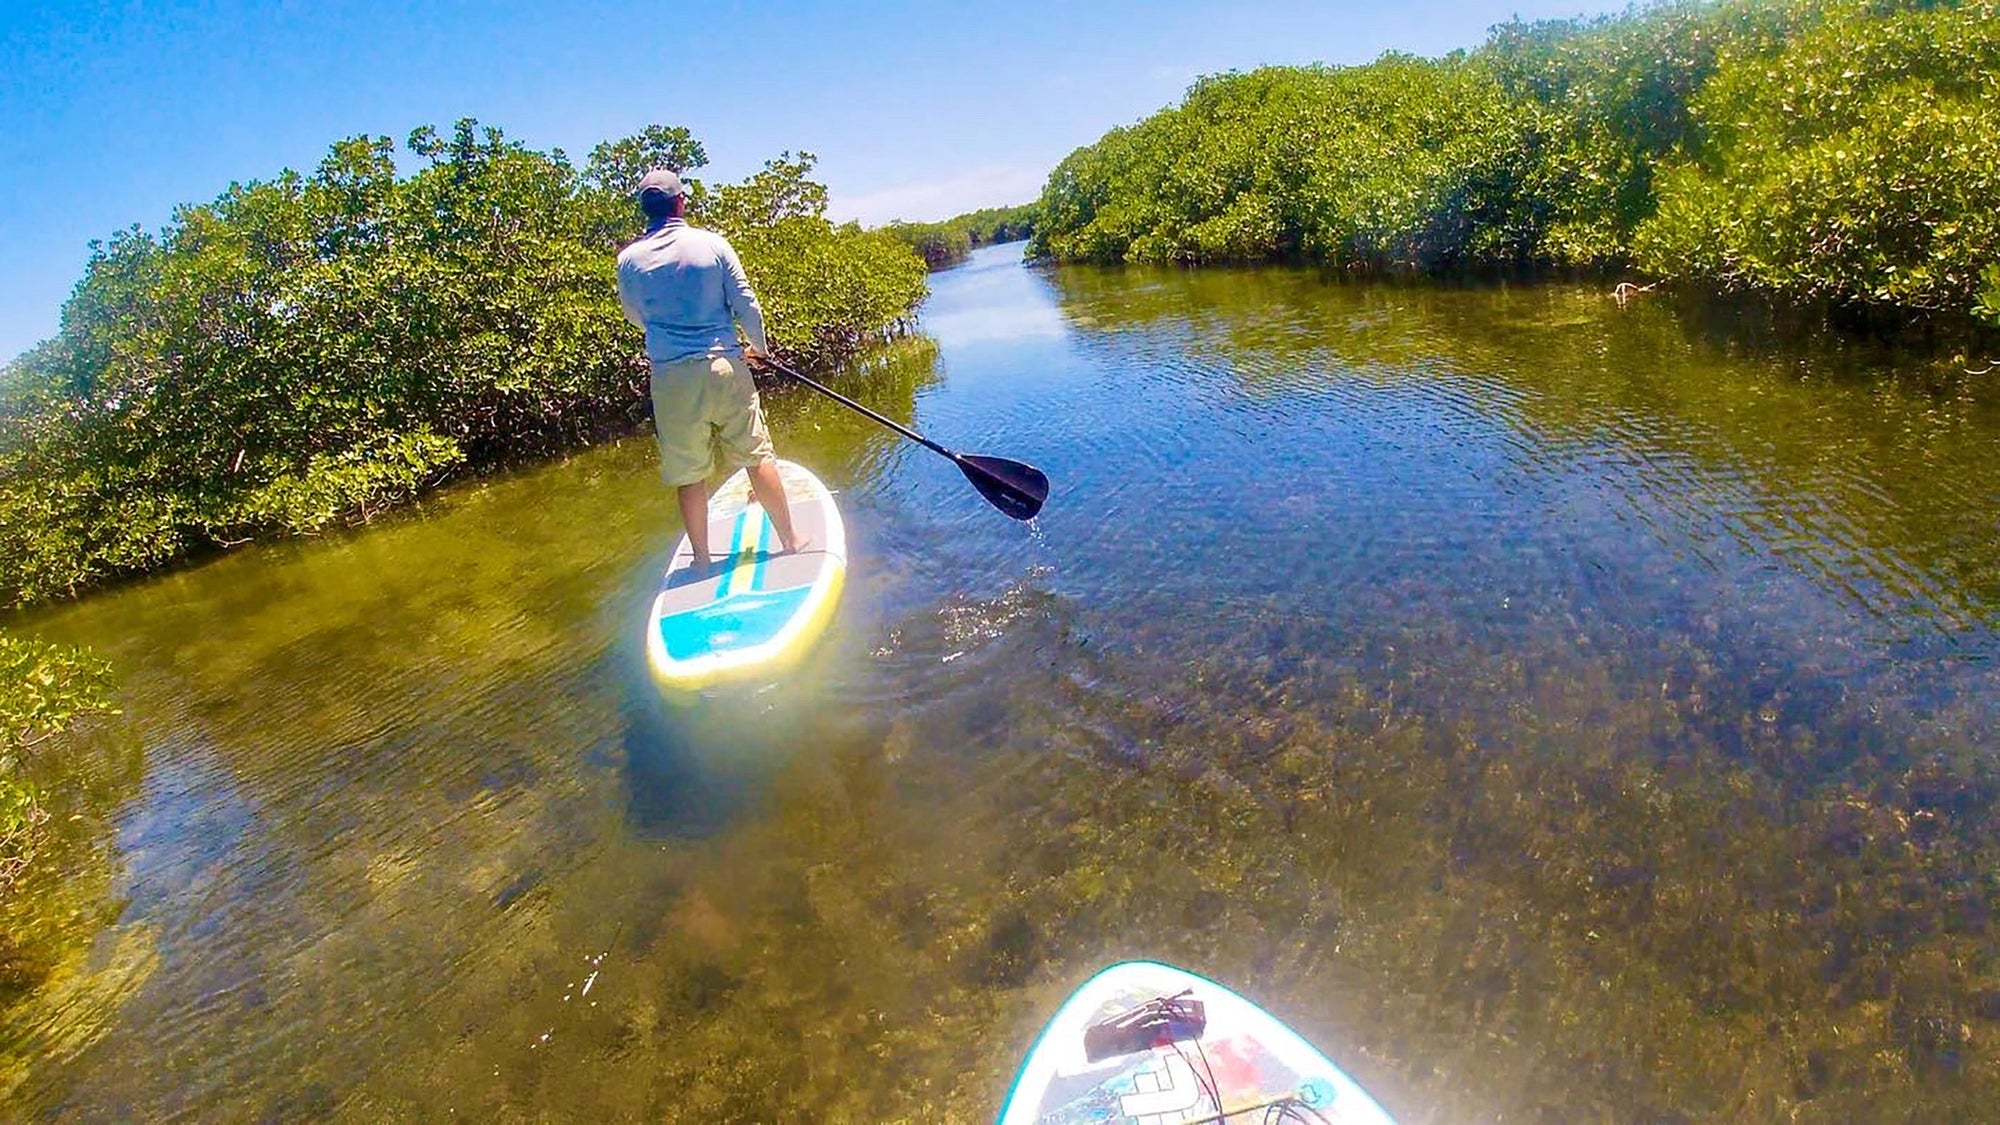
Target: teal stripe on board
{"points": [[741, 622], [767, 534], [735, 548]]}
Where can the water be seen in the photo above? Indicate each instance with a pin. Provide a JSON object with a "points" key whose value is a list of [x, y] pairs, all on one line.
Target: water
{"points": [[1553, 710]]}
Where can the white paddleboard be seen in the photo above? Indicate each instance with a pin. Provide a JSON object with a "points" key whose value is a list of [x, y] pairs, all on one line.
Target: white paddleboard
{"points": [[1149, 1044], [754, 609]]}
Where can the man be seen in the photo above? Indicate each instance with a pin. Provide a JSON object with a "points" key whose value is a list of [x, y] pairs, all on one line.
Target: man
{"points": [[686, 289]]}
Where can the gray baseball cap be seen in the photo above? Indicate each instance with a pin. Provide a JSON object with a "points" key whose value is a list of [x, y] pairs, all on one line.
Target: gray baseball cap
{"points": [[664, 181]]}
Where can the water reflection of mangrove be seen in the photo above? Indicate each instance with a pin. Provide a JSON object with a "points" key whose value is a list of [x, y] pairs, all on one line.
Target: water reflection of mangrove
{"points": [[57, 996]]}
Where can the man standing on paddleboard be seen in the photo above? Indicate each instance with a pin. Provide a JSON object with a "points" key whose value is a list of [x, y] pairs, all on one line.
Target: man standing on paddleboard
{"points": [[686, 289]]}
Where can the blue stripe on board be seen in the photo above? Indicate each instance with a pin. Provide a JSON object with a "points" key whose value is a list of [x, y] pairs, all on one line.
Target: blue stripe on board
{"points": [[735, 548], [741, 621], [766, 534]]}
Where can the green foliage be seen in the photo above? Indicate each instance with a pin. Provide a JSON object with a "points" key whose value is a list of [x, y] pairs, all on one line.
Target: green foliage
{"points": [[55, 875], [378, 471], [1857, 163], [305, 350], [21, 820], [992, 225], [1604, 99], [1405, 162], [783, 189], [42, 688], [945, 244], [827, 290], [616, 167], [1834, 150], [1988, 306], [941, 245]]}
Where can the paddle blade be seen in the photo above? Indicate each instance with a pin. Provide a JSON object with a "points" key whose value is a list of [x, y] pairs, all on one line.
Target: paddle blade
{"points": [[1016, 489]]}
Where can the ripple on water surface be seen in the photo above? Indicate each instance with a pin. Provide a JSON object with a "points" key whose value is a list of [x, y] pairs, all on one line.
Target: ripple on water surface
{"points": [[1554, 710]]}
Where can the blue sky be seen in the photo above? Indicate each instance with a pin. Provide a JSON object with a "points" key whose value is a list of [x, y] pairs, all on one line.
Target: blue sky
{"points": [[116, 112]]}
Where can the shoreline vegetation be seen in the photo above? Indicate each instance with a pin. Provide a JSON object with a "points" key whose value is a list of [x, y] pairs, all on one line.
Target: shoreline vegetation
{"points": [[950, 242], [1841, 156]]}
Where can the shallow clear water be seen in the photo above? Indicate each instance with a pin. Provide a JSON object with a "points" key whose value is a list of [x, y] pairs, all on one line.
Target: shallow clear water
{"points": [[1554, 710]]}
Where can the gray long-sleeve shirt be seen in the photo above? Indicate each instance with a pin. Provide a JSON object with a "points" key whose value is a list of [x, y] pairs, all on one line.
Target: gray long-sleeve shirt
{"points": [[685, 288]]}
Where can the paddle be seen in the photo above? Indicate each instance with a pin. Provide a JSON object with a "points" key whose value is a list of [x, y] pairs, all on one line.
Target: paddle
{"points": [[1016, 489]]}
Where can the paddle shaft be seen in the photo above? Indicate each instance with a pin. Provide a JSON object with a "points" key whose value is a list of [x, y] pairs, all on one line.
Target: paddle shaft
{"points": [[1016, 489], [855, 406]]}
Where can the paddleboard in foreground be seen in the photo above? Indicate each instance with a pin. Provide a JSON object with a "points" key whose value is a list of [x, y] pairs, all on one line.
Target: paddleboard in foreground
{"points": [[753, 609], [1151, 1044]]}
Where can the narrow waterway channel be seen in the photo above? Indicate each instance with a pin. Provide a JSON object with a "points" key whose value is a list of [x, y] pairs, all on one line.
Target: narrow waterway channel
{"points": [[1556, 710]]}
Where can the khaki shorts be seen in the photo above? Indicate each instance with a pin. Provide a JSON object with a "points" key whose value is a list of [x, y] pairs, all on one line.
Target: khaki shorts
{"points": [[699, 403]]}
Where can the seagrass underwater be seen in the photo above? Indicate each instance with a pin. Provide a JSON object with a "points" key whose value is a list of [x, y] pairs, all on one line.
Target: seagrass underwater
{"points": [[1561, 773]]}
